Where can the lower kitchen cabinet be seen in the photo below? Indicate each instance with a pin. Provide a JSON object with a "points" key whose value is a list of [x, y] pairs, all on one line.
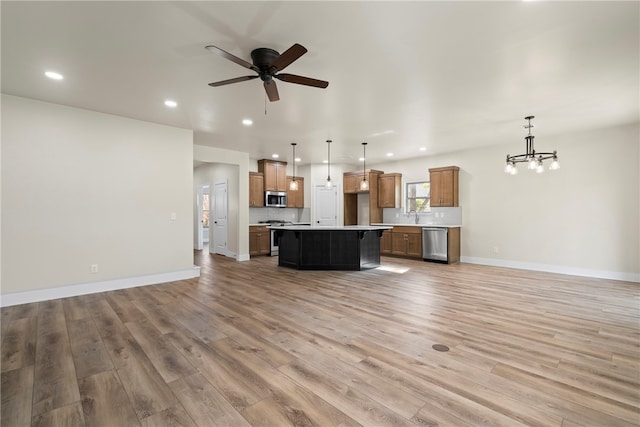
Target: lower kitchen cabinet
{"points": [[406, 241], [385, 243], [259, 240]]}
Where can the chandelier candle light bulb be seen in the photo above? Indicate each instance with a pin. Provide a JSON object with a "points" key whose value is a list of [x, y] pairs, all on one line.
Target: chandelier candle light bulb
{"points": [[533, 159]]}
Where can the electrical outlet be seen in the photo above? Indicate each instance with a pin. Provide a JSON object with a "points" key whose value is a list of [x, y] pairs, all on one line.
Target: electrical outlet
{"points": [[94, 268], [496, 250], [173, 216]]}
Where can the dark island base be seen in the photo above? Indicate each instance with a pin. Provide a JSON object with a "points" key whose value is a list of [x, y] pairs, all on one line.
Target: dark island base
{"points": [[329, 249]]}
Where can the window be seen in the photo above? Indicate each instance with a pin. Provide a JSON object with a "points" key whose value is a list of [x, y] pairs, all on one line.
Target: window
{"points": [[205, 210], [418, 196]]}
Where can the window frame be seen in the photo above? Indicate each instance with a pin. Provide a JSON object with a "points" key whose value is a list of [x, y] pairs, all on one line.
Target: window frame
{"points": [[408, 199]]}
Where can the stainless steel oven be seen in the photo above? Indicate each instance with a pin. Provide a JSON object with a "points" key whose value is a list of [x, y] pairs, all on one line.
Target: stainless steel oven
{"points": [[274, 243], [274, 236]]}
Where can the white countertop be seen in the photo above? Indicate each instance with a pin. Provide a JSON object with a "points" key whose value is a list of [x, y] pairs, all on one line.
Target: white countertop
{"points": [[330, 228], [421, 225], [263, 224]]}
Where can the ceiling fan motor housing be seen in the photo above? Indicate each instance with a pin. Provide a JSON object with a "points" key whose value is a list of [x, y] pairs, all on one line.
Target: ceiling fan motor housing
{"points": [[262, 58]]}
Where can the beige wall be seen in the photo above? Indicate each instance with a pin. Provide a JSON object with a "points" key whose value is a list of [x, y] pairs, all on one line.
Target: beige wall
{"points": [[82, 188], [581, 219]]}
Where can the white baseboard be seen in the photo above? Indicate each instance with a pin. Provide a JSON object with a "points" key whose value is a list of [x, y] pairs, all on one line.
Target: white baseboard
{"points": [[94, 287], [243, 257], [573, 271]]}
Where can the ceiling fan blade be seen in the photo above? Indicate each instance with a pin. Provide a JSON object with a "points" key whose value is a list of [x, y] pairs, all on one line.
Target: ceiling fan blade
{"points": [[307, 81], [288, 56], [232, 58], [236, 80], [272, 90]]}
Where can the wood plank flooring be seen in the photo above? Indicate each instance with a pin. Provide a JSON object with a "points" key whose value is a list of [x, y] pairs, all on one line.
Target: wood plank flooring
{"points": [[252, 344]]}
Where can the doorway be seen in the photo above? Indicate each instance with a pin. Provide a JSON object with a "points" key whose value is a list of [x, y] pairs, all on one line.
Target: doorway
{"points": [[203, 206]]}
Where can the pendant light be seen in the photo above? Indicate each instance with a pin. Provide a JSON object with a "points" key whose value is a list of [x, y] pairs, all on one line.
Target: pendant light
{"points": [[293, 186], [533, 159], [329, 184], [364, 184]]}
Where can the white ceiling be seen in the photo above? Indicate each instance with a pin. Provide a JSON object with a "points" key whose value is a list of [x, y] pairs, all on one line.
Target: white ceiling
{"points": [[403, 75]]}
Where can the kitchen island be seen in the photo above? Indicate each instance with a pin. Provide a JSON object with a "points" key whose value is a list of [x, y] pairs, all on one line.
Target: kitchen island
{"points": [[354, 247]]}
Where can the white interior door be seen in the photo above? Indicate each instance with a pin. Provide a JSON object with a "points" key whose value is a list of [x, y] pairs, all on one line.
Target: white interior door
{"points": [[325, 206], [220, 212]]}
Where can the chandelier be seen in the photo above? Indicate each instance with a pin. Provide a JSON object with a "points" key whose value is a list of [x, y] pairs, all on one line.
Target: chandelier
{"points": [[328, 184], [364, 185], [293, 186], [531, 157]]}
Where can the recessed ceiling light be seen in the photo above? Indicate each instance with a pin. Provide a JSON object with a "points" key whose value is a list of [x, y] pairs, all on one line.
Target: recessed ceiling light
{"points": [[423, 148], [247, 122], [170, 103], [325, 161], [53, 75], [361, 159], [275, 156], [298, 159], [389, 154]]}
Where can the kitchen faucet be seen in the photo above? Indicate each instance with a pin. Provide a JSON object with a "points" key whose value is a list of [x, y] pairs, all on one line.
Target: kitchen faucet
{"points": [[416, 214]]}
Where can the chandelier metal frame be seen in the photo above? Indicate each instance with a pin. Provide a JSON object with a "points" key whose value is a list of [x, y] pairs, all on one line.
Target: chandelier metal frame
{"points": [[531, 156]]}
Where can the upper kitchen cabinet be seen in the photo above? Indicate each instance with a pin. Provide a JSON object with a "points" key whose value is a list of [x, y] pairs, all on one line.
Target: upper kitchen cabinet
{"points": [[351, 181], [295, 198], [390, 190], [256, 190], [275, 174], [444, 186]]}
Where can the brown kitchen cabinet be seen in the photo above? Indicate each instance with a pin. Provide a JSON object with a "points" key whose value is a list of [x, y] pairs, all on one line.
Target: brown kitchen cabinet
{"points": [[351, 183], [295, 199], [259, 240], [385, 242], [444, 186], [275, 174], [256, 190], [406, 241], [390, 190]]}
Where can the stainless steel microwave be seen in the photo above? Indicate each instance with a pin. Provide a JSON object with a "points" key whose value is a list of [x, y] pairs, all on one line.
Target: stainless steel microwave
{"points": [[275, 199]]}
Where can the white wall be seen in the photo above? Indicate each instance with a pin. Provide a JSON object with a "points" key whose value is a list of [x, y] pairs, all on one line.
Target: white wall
{"points": [[582, 219], [212, 173], [82, 188]]}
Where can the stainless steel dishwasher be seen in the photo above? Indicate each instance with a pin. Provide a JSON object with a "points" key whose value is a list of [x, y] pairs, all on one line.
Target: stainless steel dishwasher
{"points": [[435, 244]]}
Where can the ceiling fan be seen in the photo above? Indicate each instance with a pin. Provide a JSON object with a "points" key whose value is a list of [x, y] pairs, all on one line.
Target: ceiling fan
{"points": [[267, 63]]}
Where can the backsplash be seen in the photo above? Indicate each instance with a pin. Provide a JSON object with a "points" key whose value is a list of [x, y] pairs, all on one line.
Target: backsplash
{"points": [[437, 216], [286, 214]]}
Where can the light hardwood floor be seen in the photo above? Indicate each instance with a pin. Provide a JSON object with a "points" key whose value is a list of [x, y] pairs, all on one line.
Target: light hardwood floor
{"points": [[249, 343]]}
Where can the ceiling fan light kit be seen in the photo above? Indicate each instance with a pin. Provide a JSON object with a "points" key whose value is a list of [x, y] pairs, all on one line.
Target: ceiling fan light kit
{"points": [[531, 157], [267, 63]]}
